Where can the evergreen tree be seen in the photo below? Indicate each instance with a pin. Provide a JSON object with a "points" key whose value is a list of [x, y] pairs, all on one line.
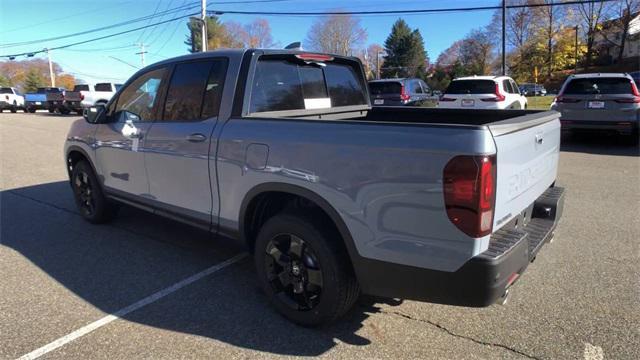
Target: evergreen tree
{"points": [[217, 35], [33, 81], [406, 56]]}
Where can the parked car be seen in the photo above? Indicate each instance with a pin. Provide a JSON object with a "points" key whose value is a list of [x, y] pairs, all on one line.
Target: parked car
{"points": [[436, 93], [11, 98], [483, 92], [601, 102], [38, 100], [281, 151], [398, 92], [528, 89], [86, 95]]}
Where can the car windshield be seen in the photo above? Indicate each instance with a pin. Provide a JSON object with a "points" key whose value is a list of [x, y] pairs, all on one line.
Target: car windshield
{"points": [[384, 87], [600, 85], [471, 87], [6, 91], [83, 87]]}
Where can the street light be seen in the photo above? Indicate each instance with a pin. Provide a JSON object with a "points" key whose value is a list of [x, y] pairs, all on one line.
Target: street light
{"points": [[378, 53]]}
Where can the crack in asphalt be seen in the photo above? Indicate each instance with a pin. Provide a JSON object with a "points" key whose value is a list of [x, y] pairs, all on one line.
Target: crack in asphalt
{"points": [[444, 329]]}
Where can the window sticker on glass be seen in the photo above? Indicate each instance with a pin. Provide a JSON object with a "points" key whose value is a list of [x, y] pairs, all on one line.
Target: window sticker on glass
{"points": [[321, 103]]}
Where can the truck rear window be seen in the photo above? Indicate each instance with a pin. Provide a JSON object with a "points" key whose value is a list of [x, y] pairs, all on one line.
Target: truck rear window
{"points": [[287, 84], [81, 88], [103, 87], [385, 87], [471, 87], [6, 91], [601, 85]]}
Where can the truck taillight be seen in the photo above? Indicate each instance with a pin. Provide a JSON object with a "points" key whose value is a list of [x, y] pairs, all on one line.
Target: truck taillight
{"points": [[469, 193], [81, 96], [403, 94]]}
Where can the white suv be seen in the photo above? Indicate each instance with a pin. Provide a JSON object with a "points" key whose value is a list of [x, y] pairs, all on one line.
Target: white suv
{"points": [[483, 92], [11, 98]]}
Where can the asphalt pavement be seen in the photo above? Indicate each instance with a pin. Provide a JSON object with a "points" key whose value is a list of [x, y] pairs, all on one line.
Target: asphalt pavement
{"points": [[119, 290]]}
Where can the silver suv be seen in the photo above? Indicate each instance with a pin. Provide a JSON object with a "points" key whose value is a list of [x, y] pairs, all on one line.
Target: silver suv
{"points": [[599, 102]]}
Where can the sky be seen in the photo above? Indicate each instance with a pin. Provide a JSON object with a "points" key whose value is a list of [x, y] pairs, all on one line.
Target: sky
{"points": [[115, 58]]}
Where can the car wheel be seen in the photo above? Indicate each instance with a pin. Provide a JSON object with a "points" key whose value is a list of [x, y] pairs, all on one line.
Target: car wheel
{"points": [[304, 270], [14, 107], [90, 200]]}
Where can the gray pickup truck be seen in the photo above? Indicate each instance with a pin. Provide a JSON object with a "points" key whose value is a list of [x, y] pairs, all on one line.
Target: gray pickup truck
{"points": [[282, 152]]}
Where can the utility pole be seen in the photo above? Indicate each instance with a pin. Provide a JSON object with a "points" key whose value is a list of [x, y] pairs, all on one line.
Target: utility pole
{"points": [[141, 53], [504, 33], [52, 76], [378, 65], [204, 25]]}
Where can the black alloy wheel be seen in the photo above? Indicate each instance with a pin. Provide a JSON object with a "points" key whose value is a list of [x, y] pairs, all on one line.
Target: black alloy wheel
{"points": [[293, 272], [84, 192]]}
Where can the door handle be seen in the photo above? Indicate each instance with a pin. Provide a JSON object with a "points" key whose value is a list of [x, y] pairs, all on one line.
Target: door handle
{"points": [[197, 137]]}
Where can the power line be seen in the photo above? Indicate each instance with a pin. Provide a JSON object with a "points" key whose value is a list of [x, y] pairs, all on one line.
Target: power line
{"points": [[102, 37], [155, 11], [399, 12], [128, 22]]}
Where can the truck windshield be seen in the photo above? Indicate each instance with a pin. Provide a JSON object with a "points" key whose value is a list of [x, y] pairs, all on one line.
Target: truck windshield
{"points": [[103, 87], [385, 87], [82, 87], [471, 87], [6, 91], [286, 84], [603, 85]]}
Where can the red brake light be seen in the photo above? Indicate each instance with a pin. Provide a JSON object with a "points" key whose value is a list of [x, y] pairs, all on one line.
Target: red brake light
{"points": [[403, 94], [81, 96], [469, 193], [634, 89], [499, 96], [314, 57]]}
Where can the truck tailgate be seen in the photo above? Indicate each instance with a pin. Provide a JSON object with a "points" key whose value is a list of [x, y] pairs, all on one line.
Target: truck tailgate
{"points": [[73, 96], [527, 161], [55, 96]]}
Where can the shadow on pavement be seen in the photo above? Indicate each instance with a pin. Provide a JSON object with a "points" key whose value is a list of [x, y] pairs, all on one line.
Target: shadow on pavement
{"points": [[602, 143], [112, 266]]}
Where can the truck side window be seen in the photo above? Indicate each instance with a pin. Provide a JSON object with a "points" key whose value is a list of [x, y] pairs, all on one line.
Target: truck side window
{"points": [[213, 89], [137, 100], [187, 86]]}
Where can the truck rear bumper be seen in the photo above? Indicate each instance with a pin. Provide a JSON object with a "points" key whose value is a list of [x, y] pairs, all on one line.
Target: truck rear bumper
{"points": [[482, 280]]}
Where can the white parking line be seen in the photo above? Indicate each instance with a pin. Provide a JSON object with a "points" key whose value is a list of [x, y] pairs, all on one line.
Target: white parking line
{"points": [[133, 307]]}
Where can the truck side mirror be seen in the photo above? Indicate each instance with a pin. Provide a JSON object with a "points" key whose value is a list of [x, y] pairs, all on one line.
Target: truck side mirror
{"points": [[94, 114]]}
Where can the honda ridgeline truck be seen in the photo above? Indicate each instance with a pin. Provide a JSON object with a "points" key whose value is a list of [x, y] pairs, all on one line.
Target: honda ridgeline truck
{"points": [[281, 151]]}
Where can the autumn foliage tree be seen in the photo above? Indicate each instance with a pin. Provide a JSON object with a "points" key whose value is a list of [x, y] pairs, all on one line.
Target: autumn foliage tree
{"points": [[36, 71]]}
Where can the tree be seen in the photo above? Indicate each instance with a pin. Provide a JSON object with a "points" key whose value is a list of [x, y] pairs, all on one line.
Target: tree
{"points": [[625, 11], [336, 34], [591, 14], [450, 55], [4, 81], [33, 81], [476, 52], [406, 56], [256, 34], [217, 35], [66, 81]]}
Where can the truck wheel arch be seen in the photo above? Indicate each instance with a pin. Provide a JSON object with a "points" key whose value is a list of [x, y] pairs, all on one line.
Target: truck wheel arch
{"points": [[257, 197], [76, 154]]}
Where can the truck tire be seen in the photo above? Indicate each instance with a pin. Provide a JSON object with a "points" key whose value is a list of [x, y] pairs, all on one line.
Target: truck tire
{"points": [[31, 110], [14, 107], [90, 200], [52, 110], [304, 270]]}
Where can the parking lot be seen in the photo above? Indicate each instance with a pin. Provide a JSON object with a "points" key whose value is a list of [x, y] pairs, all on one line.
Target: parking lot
{"points": [[579, 300]]}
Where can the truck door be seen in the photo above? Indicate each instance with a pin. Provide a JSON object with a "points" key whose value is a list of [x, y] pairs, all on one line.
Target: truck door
{"points": [[119, 141], [178, 144]]}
